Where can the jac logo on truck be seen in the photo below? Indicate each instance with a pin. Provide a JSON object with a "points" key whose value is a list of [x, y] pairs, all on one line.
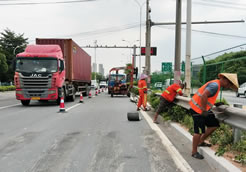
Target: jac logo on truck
{"points": [[36, 75]]}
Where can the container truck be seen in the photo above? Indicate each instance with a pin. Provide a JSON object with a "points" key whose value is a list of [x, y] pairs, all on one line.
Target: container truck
{"points": [[51, 69]]}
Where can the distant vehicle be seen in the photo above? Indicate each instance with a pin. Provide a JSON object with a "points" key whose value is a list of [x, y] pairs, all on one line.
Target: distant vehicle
{"points": [[103, 84], [94, 84], [241, 90], [158, 85], [168, 82]]}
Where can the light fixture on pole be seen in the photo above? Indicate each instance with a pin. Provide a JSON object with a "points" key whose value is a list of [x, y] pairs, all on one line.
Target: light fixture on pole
{"points": [[130, 43]]}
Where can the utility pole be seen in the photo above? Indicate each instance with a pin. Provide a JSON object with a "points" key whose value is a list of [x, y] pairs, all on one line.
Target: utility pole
{"points": [[147, 50], [134, 55], [95, 59], [177, 42], [188, 50]]}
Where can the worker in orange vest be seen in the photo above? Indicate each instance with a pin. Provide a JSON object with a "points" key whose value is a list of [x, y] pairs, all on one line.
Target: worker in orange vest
{"points": [[200, 108], [167, 98], [142, 89]]}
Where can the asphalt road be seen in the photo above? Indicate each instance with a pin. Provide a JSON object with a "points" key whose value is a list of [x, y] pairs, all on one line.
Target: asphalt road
{"points": [[94, 136]]}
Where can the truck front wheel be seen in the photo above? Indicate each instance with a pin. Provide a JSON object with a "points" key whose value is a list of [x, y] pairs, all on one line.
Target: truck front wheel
{"points": [[25, 102]]}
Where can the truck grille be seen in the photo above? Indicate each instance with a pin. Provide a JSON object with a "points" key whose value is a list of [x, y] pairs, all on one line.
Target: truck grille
{"points": [[35, 86]]}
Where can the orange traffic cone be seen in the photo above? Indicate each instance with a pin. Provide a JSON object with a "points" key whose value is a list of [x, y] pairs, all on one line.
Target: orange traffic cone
{"points": [[89, 94], [96, 93], [99, 91], [62, 105], [81, 98]]}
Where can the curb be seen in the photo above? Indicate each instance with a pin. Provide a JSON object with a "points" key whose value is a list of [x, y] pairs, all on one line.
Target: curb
{"points": [[218, 163]]}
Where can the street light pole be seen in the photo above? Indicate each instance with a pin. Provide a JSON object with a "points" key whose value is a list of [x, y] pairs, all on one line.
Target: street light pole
{"points": [[140, 33], [177, 42], [147, 49], [95, 60]]}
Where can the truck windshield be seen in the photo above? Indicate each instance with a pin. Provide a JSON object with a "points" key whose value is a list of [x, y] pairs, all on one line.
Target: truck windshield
{"points": [[39, 65], [120, 77]]}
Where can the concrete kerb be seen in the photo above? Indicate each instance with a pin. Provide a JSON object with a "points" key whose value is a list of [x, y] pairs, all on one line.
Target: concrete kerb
{"points": [[218, 163]]}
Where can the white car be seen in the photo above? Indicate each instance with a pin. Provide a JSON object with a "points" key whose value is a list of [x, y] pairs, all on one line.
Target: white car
{"points": [[241, 90], [94, 84], [103, 84]]}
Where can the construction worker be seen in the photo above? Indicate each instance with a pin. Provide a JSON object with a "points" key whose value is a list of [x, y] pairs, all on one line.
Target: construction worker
{"points": [[167, 98], [200, 108], [142, 89]]}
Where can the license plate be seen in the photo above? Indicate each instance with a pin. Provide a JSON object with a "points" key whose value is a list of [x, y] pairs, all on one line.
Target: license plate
{"points": [[35, 98]]}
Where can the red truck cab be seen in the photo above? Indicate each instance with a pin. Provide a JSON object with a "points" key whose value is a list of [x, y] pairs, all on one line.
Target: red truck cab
{"points": [[39, 73]]}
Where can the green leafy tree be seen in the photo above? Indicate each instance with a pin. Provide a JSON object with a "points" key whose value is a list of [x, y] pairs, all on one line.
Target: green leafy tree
{"points": [[224, 64], [3, 66], [11, 44], [160, 77], [95, 75]]}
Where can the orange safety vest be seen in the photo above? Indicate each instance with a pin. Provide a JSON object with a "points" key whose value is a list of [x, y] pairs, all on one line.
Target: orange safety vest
{"points": [[195, 102], [142, 86], [170, 93]]}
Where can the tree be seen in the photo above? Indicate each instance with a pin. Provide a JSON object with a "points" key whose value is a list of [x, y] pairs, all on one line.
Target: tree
{"points": [[10, 45], [3, 66], [160, 77], [98, 76], [234, 62]]}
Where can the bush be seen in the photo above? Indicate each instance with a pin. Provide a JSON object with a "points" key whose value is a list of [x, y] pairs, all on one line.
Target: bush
{"points": [[134, 90], [7, 88]]}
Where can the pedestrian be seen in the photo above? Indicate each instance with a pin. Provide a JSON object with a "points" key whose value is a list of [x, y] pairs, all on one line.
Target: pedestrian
{"points": [[142, 89], [200, 108], [167, 98]]}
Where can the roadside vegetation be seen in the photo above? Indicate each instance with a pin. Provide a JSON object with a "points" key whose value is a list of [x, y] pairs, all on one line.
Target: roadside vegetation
{"points": [[7, 88]]}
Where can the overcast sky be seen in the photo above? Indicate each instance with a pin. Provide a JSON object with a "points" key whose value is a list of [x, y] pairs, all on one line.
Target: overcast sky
{"points": [[111, 21]]}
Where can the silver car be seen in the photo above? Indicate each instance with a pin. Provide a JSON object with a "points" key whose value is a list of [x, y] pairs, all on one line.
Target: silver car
{"points": [[241, 90]]}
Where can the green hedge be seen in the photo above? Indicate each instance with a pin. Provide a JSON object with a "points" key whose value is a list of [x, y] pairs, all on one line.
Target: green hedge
{"points": [[223, 136], [7, 88]]}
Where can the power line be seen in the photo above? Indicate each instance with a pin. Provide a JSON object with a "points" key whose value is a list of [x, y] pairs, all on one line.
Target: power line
{"points": [[211, 33], [217, 5], [105, 30], [220, 51], [225, 2], [43, 3]]}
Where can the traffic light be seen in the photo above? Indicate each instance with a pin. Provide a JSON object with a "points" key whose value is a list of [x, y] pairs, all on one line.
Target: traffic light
{"points": [[135, 71], [152, 51]]}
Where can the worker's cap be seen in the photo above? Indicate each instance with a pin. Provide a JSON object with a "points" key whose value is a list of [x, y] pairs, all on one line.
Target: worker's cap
{"points": [[143, 76], [232, 77]]}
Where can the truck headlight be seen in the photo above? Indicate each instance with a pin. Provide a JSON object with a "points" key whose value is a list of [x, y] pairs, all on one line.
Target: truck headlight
{"points": [[18, 92], [51, 91]]}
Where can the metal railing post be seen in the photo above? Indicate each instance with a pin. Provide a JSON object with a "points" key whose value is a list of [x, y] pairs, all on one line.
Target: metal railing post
{"points": [[237, 133], [222, 70], [204, 70]]}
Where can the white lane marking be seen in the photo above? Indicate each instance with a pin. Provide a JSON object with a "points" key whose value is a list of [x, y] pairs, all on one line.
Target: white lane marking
{"points": [[9, 106], [73, 106], [176, 156]]}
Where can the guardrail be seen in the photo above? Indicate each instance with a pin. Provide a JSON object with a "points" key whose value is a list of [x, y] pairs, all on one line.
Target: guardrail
{"points": [[235, 117]]}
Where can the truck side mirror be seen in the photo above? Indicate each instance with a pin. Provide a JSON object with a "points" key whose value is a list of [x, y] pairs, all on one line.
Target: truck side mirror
{"points": [[61, 67]]}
